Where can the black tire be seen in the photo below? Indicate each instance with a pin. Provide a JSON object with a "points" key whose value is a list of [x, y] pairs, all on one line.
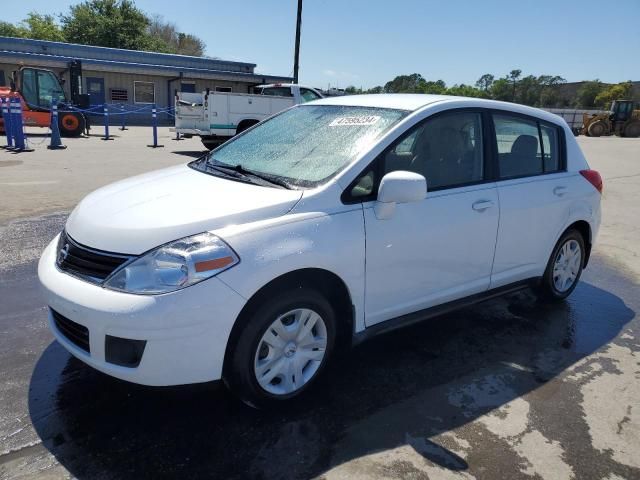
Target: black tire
{"points": [[632, 129], [211, 142], [239, 374], [245, 125], [71, 124], [547, 289], [597, 129]]}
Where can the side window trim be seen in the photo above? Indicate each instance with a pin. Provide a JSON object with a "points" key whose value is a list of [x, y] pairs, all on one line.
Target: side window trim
{"points": [[488, 160]]}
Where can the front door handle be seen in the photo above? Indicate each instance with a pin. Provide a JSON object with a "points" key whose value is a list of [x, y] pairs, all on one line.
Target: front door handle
{"points": [[482, 205], [560, 191]]}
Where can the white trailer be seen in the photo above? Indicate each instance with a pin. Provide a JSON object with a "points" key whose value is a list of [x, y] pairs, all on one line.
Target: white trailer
{"points": [[216, 116]]}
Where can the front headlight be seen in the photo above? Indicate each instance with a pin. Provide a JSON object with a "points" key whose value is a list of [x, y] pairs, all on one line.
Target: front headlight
{"points": [[175, 265]]}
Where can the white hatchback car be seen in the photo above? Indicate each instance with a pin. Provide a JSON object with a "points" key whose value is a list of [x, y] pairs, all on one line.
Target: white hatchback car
{"points": [[326, 223]]}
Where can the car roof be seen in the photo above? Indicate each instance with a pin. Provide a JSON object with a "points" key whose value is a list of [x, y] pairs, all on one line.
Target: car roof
{"points": [[416, 101], [401, 101]]}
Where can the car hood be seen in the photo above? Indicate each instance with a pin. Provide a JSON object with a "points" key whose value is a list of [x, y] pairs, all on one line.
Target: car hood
{"points": [[142, 212]]}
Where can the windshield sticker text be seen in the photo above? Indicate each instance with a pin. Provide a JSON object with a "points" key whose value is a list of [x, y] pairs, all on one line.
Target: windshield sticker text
{"points": [[362, 120]]}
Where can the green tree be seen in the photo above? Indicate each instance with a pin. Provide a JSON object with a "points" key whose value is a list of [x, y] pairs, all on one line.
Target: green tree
{"points": [[485, 82], [10, 30], [438, 87], [501, 90], [514, 75], [528, 90], [587, 93], [620, 91], [549, 94], [110, 23], [413, 83], [463, 90], [42, 27], [176, 41], [351, 90]]}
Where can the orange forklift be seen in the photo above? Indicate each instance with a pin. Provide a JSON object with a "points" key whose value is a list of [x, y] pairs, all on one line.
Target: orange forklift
{"points": [[37, 87]]}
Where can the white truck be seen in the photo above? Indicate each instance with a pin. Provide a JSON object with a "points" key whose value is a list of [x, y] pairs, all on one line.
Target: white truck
{"points": [[216, 116]]}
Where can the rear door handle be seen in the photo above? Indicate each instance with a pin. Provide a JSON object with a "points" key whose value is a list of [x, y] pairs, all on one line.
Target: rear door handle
{"points": [[482, 205], [560, 191]]}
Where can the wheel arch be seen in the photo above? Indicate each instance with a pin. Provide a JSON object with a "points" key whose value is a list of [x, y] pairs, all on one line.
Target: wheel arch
{"points": [[584, 228], [325, 281], [245, 124]]}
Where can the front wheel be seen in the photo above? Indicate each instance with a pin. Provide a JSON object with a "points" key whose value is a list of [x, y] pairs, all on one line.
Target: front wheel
{"points": [[284, 345], [597, 129], [564, 267], [71, 124]]}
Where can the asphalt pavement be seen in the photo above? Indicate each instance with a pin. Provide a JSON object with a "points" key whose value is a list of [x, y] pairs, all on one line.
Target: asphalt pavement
{"points": [[511, 388]]}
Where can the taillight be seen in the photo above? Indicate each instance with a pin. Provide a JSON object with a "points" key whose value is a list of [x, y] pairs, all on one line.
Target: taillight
{"points": [[594, 178]]}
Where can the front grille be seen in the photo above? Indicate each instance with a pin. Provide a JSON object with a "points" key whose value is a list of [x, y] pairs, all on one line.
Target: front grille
{"points": [[90, 264], [72, 331]]}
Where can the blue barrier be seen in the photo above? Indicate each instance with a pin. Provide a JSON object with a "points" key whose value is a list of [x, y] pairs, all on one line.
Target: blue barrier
{"points": [[105, 110], [154, 124], [56, 141], [17, 141], [20, 138], [124, 120], [14, 121], [6, 116]]}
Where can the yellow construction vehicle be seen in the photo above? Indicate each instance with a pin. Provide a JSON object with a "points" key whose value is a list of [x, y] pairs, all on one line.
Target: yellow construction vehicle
{"points": [[622, 120]]}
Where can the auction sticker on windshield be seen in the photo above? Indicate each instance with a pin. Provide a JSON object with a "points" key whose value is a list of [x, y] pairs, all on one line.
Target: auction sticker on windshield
{"points": [[362, 120]]}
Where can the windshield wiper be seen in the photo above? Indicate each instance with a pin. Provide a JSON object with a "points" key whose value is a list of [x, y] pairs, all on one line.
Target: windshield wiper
{"points": [[250, 174]]}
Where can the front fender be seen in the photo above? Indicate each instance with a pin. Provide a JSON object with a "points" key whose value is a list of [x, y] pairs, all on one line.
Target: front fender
{"points": [[268, 249]]}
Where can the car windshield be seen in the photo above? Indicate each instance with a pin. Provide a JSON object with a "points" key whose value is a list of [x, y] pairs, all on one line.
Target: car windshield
{"points": [[306, 145]]}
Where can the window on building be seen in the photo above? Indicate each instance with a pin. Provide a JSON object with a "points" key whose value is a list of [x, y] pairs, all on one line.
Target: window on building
{"points": [[224, 89], [144, 92], [188, 87], [119, 95]]}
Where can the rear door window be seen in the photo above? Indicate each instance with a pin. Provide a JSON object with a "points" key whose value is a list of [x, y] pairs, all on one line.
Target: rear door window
{"points": [[527, 146], [519, 149]]}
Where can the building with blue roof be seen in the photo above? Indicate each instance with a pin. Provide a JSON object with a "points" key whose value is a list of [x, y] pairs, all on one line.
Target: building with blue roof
{"points": [[129, 77]]}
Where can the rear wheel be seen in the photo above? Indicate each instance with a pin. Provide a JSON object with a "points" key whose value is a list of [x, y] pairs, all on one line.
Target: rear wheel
{"points": [[632, 130], [564, 267], [284, 345], [211, 142], [71, 124], [245, 125], [597, 129]]}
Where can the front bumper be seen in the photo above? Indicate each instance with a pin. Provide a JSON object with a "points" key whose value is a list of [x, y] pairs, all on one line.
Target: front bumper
{"points": [[186, 331]]}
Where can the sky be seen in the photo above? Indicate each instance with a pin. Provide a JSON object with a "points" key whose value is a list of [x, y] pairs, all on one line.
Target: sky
{"points": [[368, 42]]}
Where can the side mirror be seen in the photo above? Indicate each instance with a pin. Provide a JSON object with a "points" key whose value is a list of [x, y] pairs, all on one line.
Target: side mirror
{"points": [[399, 187]]}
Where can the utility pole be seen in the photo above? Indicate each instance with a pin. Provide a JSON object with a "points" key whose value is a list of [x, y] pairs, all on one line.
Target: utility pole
{"points": [[296, 60]]}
